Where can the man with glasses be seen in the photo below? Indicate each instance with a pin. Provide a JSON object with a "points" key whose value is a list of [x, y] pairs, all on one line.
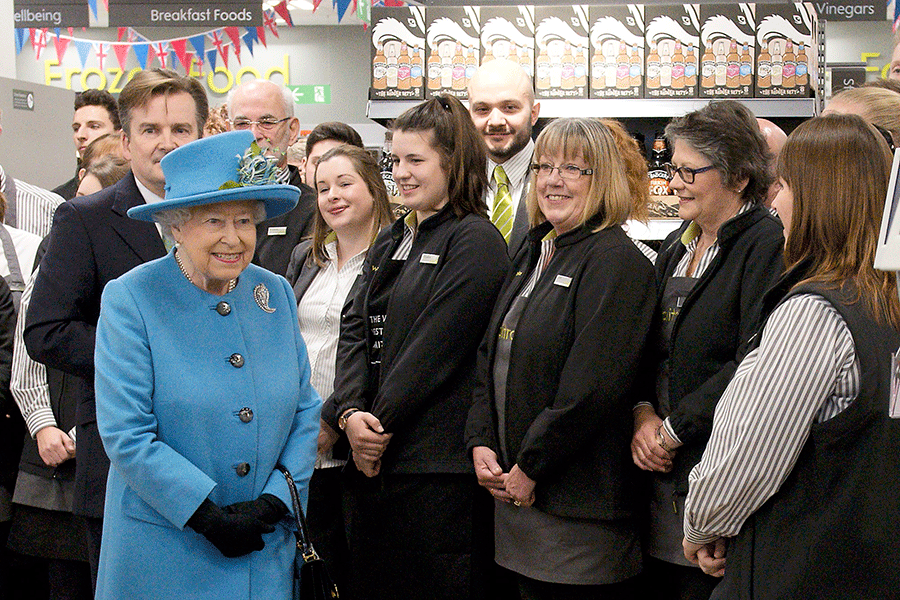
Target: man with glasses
{"points": [[267, 109]]}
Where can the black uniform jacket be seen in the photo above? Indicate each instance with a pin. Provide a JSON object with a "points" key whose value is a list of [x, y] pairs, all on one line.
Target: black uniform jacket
{"points": [[423, 319], [718, 317], [574, 364]]}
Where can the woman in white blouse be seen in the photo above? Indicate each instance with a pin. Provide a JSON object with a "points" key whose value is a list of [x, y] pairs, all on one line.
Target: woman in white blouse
{"points": [[353, 208], [796, 494]]}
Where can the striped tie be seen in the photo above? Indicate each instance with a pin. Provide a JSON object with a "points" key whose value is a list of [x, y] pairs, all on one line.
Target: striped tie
{"points": [[502, 216]]}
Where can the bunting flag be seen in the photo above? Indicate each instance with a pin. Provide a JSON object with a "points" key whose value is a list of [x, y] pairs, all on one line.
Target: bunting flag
{"points": [[225, 55], [198, 64], [161, 52], [199, 44], [218, 42], [121, 51], [316, 4], [269, 21], [106, 5], [122, 31], [61, 44], [141, 51], [364, 13], [179, 47], [249, 38], [234, 35], [71, 31], [342, 6], [282, 9], [101, 53], [21, 34], [93, 5], [39, 42], [211, 59], [261, 36], [84, 50]]}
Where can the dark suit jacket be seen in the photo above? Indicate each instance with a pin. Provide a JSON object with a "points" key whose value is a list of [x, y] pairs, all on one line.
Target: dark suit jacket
{"points": [[68, 189], [520, 225], [276, 238], [92, 242]]}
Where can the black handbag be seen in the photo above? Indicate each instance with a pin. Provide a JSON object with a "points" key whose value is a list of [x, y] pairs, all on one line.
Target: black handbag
{"points": [[311, 579]]}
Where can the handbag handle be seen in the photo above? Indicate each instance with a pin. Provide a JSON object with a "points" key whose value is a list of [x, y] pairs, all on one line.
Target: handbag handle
{"points": [[304, 545]]}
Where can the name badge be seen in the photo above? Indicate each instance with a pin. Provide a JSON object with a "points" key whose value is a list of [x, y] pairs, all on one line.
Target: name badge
{"points": [[563, 281], [429, 259], [277, 230]]}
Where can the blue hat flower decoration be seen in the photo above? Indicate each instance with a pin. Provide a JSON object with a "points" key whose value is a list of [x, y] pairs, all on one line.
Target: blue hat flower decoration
{"points": [[227, 167]]}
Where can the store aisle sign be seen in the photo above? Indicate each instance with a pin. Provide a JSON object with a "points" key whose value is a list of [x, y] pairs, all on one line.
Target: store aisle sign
{"points": [[143, 13], [58, 13], [851, 10], [311, 94]]}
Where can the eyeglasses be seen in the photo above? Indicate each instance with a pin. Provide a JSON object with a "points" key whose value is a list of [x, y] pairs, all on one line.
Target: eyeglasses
{"points": [[264, 124], [887, 136], [567, 172], [687, 175]]}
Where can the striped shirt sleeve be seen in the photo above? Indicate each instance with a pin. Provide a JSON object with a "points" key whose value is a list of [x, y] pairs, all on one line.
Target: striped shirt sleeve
{"points": [[804, 371], [29, 378]]}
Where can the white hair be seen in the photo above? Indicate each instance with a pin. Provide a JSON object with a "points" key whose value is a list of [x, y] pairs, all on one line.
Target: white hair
{"points": [[287, 97], [177, 217]]}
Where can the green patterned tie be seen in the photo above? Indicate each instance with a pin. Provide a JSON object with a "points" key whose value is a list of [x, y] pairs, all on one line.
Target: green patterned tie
{"points": [[502, 216]]}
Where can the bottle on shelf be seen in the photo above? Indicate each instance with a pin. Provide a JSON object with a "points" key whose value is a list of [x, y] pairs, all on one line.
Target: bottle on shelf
{"points": [[708, 67], [653, 67], [513, 51], [635, 70], [789, 68], [488, 53], [612, 65], [690, 67], [415, 67], [777, 65], [678, 68], [733, 67], [555, 70], [379, 69], [580, 66], [446, 66], [665, 66], [525, 61], [404, 68], [623, 68], [764, 67], [391, 74], [746, 66], [721, 64], [567, 68], [802, 70], [458, 69], [471, 62], [598, 69], [542, 70], [659, 156]]}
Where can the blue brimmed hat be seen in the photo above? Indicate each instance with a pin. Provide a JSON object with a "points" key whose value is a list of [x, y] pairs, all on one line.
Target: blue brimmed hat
{"points": [[222, 168]]}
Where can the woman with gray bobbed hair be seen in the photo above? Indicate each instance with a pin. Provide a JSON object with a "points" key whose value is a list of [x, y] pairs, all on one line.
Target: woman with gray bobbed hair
{"points": [[711, 273]]}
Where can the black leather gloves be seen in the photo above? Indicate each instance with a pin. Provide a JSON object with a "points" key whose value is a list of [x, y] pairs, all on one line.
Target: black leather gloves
{"points": [[237, 529]]}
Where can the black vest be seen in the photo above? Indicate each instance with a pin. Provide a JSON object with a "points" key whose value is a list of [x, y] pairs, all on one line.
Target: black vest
{"points": [[833, 528]]}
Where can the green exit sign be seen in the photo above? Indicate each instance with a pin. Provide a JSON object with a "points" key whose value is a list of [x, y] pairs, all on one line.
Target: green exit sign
{"points": [[311, 94]]}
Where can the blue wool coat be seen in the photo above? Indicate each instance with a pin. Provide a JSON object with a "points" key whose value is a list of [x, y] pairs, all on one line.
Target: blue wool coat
{"points": [[171, 410]]}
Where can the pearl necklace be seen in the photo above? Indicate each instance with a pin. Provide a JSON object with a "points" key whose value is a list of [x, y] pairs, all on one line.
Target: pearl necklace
{"points": [[184, 272]]}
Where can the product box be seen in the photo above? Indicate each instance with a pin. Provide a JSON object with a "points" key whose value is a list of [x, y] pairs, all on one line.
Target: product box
{"points": [[672, 34], [617, 45], [727, 35], [786, 54], [454, 45], [398, 53], [508, 32], [561, 39]]}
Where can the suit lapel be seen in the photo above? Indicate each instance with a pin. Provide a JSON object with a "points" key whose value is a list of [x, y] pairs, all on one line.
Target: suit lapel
{"points": [[140, 236], [520, 223]]}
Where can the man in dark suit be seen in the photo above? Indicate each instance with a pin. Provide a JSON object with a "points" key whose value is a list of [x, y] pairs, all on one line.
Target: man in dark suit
{"points": [[502, 106], [92, 242], [267, 109]]}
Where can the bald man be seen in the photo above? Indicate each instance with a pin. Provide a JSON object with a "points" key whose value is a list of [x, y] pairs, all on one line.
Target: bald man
{"points": [[267, 109], [775, 139], [501, 102]]}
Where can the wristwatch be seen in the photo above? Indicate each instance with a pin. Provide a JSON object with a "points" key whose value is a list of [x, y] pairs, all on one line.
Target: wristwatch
{"points": [[342, 421]]}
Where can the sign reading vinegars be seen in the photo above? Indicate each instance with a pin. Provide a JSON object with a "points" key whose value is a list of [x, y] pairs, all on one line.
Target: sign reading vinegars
{"points": [[200, 13]]}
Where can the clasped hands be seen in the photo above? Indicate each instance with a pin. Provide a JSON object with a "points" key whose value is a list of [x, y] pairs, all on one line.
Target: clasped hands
{"points": [[515, 487], [237, 529], [709, 557], [646, 450], [368, 440]]}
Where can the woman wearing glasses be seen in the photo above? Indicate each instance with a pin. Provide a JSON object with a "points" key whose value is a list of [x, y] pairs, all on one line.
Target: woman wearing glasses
{"points": [[712, 273], [550, 424]]}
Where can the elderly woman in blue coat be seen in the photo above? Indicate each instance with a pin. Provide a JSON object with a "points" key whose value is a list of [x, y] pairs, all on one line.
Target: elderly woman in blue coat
{"points": [[203, 388]]}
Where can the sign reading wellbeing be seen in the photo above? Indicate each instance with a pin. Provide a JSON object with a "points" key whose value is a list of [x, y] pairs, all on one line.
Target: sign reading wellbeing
{"points": [[56, 13]]}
